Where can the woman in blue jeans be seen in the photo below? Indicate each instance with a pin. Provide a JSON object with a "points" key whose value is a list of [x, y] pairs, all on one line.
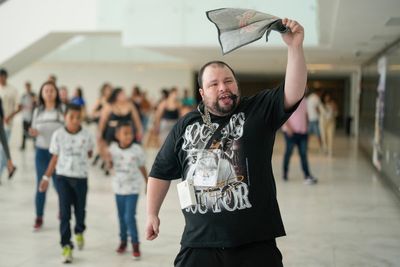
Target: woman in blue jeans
{"points": [[47, 118]]}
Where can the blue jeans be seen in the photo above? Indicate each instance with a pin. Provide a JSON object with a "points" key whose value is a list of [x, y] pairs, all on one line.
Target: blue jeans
{"points": [[71, 192], [299, 140], [313, 128], [3, 158], [126, 205], [42, 160]]}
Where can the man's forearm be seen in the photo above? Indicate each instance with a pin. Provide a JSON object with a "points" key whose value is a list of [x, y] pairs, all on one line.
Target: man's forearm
{"points": [[156, 191], [296, 76]]}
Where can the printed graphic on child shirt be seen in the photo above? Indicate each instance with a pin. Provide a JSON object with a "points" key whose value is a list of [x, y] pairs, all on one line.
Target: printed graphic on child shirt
{"points": [[72, 150], [127, 178], [215, 168]]}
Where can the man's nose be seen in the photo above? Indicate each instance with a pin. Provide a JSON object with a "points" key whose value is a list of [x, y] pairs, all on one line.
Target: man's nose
{"points": [[222, 88]]}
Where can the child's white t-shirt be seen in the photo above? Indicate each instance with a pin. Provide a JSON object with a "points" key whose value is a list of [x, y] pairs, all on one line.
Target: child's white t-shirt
{"points": [[72, 151], [127, 178]]}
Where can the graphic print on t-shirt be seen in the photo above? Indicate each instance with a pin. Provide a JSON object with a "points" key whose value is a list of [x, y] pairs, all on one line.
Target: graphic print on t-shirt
{"points": [[127, 178], [215, 168], [72, 150]]}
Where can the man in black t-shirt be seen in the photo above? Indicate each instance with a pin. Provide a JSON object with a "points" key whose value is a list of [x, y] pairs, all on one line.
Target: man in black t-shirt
{"points": [[223, 152]]}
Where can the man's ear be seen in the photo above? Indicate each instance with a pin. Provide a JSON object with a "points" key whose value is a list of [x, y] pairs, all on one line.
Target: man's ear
{"points": [[201, 92]]}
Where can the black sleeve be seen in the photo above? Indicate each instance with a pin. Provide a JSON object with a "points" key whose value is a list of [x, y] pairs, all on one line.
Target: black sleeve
{"points": [[272, 107], [166, 166]]}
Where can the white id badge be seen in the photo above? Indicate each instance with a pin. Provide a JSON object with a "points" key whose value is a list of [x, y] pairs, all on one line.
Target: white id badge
{"points": [[207, 168], [186, 194]]}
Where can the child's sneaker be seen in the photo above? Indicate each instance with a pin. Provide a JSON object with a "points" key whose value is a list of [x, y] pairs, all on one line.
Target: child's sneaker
{"points": [[136, 251], [67, 254], [122, 247], [80, 241], [38, 224]]}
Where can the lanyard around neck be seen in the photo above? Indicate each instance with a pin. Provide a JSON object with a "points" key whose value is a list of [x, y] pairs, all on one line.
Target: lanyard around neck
{"points": [[206, 118]]}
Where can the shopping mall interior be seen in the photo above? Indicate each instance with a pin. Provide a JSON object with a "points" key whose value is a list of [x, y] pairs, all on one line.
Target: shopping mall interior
{"points": [[350, 217]]}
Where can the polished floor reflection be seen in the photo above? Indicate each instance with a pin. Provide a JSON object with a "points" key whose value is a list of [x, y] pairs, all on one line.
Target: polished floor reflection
{"points": [[348, 219]]}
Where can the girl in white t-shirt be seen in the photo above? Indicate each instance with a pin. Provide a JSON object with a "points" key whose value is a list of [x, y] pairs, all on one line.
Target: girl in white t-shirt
{"points": [[127, 161]]}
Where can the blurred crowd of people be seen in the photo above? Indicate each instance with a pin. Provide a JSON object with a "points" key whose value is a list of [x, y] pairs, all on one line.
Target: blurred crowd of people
{"points": [[55, 121], [151, 121]]}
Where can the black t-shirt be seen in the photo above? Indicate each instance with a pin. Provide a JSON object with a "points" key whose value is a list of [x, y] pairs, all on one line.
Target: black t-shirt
{"points": [[242, 208]]}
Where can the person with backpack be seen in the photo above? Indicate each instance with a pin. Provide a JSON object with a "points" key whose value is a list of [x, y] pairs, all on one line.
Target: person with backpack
{"points": [[47, 118]]}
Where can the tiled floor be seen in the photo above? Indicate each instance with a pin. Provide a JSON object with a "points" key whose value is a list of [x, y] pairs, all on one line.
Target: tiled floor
{"points": [[348, 219]]}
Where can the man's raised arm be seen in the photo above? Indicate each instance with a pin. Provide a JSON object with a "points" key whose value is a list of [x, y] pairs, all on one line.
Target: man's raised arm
{"points": [[296, 69]]}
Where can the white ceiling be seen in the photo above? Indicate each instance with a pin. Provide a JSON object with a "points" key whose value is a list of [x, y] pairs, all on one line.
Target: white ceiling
{"points": [[184, 23], [349, 33]]}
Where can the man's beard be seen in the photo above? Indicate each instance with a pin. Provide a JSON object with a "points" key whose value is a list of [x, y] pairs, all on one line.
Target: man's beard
{"points": [[227, 109]]}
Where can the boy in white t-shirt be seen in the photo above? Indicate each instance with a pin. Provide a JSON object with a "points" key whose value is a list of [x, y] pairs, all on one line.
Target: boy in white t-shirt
{"points": [[127, 160], [71, 147]]}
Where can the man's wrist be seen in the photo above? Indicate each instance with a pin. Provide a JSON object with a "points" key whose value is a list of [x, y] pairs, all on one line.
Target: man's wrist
{"points": [[296, 47], [46, 178]]}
